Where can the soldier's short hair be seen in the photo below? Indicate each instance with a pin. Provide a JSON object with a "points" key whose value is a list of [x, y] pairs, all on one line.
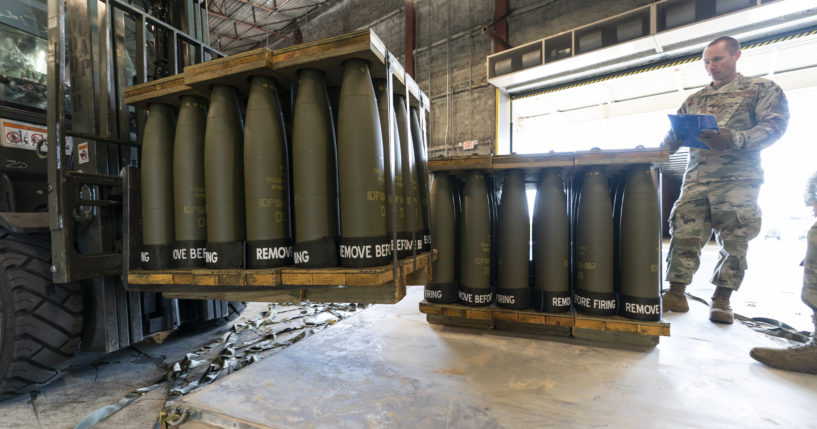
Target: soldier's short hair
{"points": [[732, 45]]}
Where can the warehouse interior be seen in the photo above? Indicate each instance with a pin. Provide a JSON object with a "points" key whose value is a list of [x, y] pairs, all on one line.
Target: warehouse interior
{"points": [[527, 78]]}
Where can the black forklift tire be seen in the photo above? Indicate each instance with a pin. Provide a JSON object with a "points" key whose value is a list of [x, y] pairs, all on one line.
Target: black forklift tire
{"points": [[40, 322]]}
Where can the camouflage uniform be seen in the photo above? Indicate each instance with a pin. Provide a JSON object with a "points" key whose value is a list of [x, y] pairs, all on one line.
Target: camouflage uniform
{"points": [[810, 263], [720, 187]]}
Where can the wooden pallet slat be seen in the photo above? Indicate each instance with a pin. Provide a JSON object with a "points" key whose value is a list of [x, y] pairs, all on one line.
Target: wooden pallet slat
{"points": [[329, 54], [167, 90], [616, 157], [474, 162], [622, 156], [598, 325], [565, 321], [234, 70], [544, 160]]}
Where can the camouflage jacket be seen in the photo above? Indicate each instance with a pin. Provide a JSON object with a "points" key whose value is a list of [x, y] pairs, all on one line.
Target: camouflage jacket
{"points": [[755, 110], [811, 190]]}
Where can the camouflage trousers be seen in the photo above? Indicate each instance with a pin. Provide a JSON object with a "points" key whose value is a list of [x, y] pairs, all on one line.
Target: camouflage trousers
{"points": [[810, 270], [728, 208]]}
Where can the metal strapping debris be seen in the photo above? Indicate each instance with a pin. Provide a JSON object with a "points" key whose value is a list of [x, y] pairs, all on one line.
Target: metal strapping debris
{"points": [[765, 325], [103, 413], [280, 326]]}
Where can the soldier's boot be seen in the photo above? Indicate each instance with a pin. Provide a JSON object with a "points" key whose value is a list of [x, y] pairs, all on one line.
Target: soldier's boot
{"points": [[800, 358], [719, 309], [674, 299]]}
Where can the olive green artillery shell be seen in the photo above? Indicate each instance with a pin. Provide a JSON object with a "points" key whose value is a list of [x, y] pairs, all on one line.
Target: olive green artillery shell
{"points": [[551, 245], [421, 163], [443, 285], [640, 247], [157, 189], [266, 178], [513, 251], [411, 187], [363, 239], [475, 244], [224, 180], [403, 232], [188, 183], [314, 174], [594, 292]]}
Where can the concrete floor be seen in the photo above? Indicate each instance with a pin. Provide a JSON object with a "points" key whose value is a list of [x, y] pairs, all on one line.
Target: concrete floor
{"points": [[387, 367]]}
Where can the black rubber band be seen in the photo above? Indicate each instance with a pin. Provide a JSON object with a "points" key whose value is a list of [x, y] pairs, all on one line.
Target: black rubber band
{"points": [[362, 252], [551, 302], [321, 253], [225, 255], [269, 253], [155, 257], [595, 303], [475, 297], [516, 299], [189, 254], [441, 293], [648, 309], [404, 245]]}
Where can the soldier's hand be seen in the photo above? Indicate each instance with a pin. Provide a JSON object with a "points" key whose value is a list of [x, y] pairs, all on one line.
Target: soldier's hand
{"points": [[716, 141]]}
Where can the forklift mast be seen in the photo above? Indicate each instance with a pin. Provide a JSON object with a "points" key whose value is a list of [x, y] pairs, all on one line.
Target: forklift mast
{"points": [[71, 182]]}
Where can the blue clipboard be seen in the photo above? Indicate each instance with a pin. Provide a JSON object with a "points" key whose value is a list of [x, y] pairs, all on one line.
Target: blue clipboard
{"points": [[687, 128]]}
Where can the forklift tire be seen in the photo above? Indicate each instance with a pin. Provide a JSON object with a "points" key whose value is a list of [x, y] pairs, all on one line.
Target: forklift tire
{"points": [[40, 322]]}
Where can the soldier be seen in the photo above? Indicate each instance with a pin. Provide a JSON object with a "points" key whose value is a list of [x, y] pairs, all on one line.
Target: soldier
{"points": [[721, 183], [802, 358]]}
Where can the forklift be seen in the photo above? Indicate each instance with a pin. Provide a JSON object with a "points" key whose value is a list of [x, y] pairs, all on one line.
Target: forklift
{"points": [[67, 144]]}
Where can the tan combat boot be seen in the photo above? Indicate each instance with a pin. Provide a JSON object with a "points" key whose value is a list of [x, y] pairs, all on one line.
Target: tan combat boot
{"points": [[674, 298], [800, 358], [719, 309]]}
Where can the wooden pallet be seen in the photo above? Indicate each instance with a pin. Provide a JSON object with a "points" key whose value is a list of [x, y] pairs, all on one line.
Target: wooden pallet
{"points": [[614, 329], [167, 90], [380, 285], [548, 160], [235, 70], [327, 55]]}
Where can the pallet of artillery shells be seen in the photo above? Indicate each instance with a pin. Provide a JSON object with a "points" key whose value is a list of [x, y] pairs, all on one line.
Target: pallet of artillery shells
{"points": [[613, 329], [377, 285]]}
